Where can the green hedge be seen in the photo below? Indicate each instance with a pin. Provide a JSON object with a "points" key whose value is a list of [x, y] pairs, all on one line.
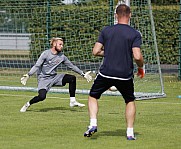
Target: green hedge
{"points": [[80, 33], [80, 30], [76, 29], [166, 26], [168, 2]]}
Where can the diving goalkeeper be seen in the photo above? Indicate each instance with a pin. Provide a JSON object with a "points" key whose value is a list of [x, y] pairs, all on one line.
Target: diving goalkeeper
{"points": [[46, 68]]}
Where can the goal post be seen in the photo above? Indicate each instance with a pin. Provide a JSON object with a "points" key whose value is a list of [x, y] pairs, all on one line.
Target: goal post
{"points": [[26, 26]]}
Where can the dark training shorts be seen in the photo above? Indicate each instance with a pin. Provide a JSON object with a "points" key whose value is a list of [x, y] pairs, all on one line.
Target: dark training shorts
{"points": [[101, 84]]}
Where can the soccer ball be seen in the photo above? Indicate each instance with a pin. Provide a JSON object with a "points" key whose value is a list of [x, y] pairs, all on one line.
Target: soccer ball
{"points": [[113, 88]]}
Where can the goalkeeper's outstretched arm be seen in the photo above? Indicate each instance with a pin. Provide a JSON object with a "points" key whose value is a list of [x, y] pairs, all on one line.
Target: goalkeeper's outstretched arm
{"points": [[87, 76], [69, 64], [24, 79], [34, 69]]}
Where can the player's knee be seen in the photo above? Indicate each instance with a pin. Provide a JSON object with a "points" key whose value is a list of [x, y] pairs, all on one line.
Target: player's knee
{"points": [[42, 97], [73, 79], [94, 95], [129, 100]]}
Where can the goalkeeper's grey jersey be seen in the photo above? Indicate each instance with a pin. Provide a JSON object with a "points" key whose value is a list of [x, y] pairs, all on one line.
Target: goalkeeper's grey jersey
{"points": [[48, 62]]}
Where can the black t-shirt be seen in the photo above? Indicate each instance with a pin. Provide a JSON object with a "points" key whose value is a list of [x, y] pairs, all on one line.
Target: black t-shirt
{"points": [[118, 41]]}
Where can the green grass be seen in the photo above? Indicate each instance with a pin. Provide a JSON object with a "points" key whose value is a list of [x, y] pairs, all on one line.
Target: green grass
{"points": [[53, 125]]}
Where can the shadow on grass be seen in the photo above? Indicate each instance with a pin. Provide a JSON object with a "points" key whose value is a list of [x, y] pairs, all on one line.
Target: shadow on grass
{"points": [[77, 109], [118, 132]]}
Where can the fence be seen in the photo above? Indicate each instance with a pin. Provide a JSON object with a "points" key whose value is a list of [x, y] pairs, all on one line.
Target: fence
{"points": [[167, 33], [79, 25]]}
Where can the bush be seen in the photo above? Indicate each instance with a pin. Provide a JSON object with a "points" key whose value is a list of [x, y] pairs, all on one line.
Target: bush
{"points": [[166, 26], [79, 30]]}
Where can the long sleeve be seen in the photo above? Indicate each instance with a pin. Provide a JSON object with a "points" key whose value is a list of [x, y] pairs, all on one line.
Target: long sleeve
{"points": [[72, 66], [38, 64]]}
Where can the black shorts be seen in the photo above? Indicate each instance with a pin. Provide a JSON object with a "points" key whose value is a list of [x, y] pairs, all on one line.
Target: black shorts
{"points": [[101, 84]]}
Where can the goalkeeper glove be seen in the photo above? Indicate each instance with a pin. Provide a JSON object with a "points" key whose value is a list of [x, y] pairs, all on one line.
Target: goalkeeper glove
{"points": [[141, 72], [87, 76], [24, 79]]}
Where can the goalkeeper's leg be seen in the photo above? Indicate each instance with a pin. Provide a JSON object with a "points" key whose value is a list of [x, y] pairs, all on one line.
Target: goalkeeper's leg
{"points": [[41, 96], [71, 79]]}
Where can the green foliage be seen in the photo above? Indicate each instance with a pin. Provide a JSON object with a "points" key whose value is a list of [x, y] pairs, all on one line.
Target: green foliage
{"points": [[79, 30], [168, 2], [80, 24], [166, 26], [68, 22]]}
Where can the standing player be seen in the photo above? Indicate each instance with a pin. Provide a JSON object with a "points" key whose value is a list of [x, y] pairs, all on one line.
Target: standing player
{"points": [[46, 68], [118, 44]]}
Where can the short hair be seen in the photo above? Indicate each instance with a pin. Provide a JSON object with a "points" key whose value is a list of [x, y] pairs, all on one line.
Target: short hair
{"points": [[123, 10], [54, 39]]}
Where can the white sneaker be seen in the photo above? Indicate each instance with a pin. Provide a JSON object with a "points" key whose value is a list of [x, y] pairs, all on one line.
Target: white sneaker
{"points": [[25, 107], [76, 104]]}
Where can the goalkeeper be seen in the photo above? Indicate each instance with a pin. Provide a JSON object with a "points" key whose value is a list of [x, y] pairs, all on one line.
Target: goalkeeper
{"points": [[47, 76], [119, 44]]}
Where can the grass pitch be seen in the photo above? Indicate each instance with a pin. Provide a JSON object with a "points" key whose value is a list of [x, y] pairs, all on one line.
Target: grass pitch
{"points": [[52, 124]]}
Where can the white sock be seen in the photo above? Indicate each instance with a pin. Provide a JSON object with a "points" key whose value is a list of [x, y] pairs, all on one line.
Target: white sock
{"points": [[28, 103], [72, 99], [130, 132], [93, 122]]}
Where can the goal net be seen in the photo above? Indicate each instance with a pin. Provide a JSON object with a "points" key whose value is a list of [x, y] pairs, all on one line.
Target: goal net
{"points": [[27, 26]]}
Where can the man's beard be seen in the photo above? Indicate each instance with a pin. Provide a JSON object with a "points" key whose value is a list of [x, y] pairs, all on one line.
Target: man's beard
{"points": [[57, 50]]}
